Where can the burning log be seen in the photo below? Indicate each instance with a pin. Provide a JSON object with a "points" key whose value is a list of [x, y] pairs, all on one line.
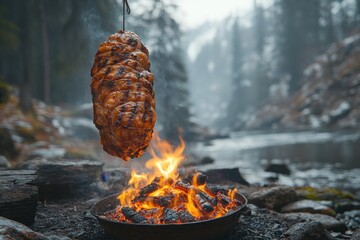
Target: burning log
{"points": [[209, 199], [152, 187], [170, 216], [163, 201], [199, 178], [133, 216], [203, 204], [222, 199], [185, 216], [185, 187]]}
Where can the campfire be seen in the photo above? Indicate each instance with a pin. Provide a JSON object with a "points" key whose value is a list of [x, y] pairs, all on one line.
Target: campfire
{"points": [[163, 197]]}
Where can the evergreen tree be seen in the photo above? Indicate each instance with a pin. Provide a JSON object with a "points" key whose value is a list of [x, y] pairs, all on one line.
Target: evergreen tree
{"points": [[162, 35]]}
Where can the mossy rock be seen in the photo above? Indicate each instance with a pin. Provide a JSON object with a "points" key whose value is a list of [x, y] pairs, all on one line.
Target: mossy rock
{"points": [[4, 92], [7, 145], [27, 133], [322, 193]]}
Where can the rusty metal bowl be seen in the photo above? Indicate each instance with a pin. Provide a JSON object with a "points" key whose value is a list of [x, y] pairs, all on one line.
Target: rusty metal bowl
{"points": [[211, 229]]}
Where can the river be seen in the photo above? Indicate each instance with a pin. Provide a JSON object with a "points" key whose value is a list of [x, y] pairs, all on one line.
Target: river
{"points": [[319, 159]]}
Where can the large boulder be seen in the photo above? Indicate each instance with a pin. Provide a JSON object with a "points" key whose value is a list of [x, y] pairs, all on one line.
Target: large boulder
{"points": [[307, 231], [274, 197], [226, 175], [329, 222]]}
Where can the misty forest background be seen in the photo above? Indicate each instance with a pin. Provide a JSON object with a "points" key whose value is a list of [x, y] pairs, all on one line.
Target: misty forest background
{"points": [[285, 65]]}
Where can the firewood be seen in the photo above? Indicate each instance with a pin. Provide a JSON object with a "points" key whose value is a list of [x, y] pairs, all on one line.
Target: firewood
{"points": [[209, 199], [222, 199], [164, 201], [199, 178], [152, 187], [203, 204], [185, 187], [170, 216], [133, 216], [185, 216]]}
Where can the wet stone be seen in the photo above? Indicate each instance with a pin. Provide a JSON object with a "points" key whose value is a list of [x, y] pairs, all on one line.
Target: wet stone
{"points": [[308, 206], [307, 230], [330, 223], [350, 218], [273, 198], [280, 168], [346, 205]]}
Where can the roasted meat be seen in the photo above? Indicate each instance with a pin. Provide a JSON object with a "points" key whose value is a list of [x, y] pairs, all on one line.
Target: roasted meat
{"points": [[123, 96]]}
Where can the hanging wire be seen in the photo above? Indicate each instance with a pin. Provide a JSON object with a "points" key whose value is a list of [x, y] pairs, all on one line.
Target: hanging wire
{"points": [[127, 8]]}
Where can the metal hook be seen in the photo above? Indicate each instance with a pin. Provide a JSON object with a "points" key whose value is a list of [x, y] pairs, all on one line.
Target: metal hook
{"points": [[127, 7]]}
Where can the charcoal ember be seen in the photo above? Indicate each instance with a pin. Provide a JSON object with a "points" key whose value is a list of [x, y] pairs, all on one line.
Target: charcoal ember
{"points": [[213, 190], [170, 216], [150, 213], [223, 199], [185, 216], [199, 178], [203, 204], [164, 201], [133, 216], [185, 187], [209, 199], [152, 187], [196, 178]]}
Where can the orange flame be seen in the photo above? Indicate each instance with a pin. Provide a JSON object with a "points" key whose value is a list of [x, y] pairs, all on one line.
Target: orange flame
{"points": [[164, 170]]}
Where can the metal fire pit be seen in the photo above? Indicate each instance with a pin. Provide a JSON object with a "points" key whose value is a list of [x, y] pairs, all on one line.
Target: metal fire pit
{"points": [[201, 230]]}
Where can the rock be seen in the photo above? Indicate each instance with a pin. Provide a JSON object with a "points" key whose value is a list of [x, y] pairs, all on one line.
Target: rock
{"points": [[273, 198], [346, 205], [350, 218], [61, 177], [308, 206], [281, 168], [225, 175], [356, 235], [18, 199], [307, 231], [331, 194], [206, 160], [10, 229], [329, 222], [7, 144], [4, 163]]}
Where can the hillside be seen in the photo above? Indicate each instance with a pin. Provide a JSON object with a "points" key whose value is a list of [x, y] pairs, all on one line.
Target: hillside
{"points": [[329, 96]]}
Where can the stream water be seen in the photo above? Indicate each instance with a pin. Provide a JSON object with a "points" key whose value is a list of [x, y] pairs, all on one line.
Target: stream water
{"points": [[319, 159]]}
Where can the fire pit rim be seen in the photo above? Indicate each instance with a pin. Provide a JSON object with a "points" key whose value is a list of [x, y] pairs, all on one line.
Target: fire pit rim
{"points": [[92, 211]]}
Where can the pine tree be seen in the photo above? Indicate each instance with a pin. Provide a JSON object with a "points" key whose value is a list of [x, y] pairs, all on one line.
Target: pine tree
{"points": [[162, 35], [239, 98]]}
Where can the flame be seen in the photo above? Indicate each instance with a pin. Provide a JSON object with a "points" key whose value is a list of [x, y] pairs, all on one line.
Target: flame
{"points": [[164, 176]]}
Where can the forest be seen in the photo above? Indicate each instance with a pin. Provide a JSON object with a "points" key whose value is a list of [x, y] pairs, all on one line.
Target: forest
{"points": [[266, 98]]}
